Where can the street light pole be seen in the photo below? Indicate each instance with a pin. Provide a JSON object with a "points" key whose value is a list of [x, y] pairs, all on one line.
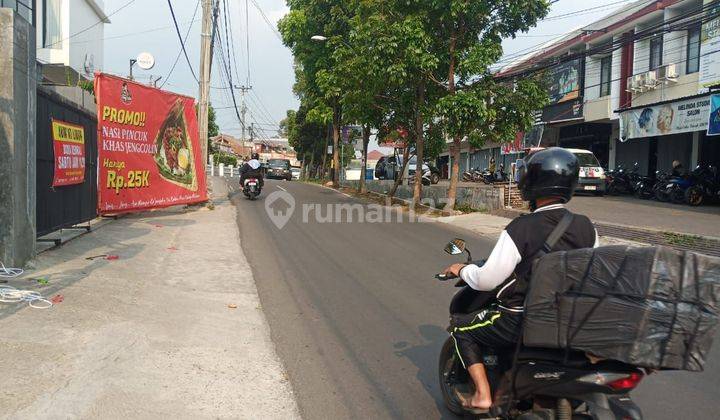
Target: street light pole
{"points": [[132, 63]]}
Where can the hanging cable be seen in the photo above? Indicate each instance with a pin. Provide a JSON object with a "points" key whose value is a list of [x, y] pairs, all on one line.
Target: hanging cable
{"points": [[182, 42], [192, 21]]}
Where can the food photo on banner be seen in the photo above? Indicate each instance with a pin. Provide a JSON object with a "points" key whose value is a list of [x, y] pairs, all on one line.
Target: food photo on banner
{"points": [[148, 147], [69, 149]]}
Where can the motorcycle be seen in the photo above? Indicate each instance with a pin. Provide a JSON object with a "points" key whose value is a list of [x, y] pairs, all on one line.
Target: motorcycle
{"points": [[644, 187], [425, 180], [467, 176], [706, 186], [251, 188], [662, 180], [621, 181], [535, 383]]}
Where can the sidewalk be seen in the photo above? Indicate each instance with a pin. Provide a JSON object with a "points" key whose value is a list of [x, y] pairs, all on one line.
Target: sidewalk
{"points": [[489, 225], [171, 329]]}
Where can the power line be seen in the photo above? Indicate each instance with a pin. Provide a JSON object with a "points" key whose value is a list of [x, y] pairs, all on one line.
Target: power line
{"points": [[182, 43], [192, 21], [247, 40], [265, 18]]}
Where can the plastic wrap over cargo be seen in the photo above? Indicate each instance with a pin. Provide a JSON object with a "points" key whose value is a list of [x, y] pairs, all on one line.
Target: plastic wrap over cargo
{"points": [[652, 307]]}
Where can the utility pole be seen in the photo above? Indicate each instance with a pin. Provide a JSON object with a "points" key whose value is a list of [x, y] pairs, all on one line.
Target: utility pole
{"points": [[243, 109], [205, 54]]}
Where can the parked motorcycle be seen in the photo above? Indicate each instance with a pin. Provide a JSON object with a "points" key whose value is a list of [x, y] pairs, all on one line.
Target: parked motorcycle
{"points": [[467, 176], [644, 187], [621, 181], [251, 188], [536, 384], [705, 188], [662, 180]]}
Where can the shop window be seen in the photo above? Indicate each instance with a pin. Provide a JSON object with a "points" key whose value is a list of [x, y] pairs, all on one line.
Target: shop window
{"points": [[605, 75], [656, 52], [693, 50], [52, 24]]}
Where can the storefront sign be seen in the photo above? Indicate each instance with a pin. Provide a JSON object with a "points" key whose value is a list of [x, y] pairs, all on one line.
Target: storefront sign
{"points": [[513, 147], [148, 147], [714, 121], [565, 81], [710, 49], [69, 148], [571, 110], [659, 120]]}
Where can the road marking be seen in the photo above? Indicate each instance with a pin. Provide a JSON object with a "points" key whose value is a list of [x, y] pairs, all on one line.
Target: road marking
{"points": [[279, 187]]}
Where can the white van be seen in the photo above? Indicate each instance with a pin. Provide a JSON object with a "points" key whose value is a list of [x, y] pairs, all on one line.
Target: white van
{"points": [[592, 175]]}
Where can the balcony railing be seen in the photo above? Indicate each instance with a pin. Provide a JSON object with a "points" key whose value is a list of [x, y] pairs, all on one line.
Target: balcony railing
{"points": [[25, 8]]}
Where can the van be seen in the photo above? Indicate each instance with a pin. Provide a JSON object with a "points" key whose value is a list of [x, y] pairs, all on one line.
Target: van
{"points": [[592, 175]]}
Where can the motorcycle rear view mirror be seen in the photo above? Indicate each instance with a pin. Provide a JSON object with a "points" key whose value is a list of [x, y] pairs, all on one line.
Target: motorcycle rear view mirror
{"points": [[455, 247]]}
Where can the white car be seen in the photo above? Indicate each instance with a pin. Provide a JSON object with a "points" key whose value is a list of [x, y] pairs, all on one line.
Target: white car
{"points": [[295, 173], [592, 175]]}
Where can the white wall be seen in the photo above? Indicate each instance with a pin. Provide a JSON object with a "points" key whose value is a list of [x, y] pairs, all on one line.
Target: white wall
{"points": [[76, 15]]}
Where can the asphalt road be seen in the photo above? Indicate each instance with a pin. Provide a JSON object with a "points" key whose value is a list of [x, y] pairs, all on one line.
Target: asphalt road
{"points": [[358, 319]]}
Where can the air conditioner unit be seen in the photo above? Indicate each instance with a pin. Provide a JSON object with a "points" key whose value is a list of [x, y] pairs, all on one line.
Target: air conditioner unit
{"points": [[668, 73], [639, 82], [629, 84], [651, 80]]}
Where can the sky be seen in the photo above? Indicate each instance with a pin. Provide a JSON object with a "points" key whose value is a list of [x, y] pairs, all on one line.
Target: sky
{"points": [[146, 25]]}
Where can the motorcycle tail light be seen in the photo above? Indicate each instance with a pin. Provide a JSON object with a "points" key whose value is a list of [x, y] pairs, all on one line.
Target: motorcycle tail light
{"points": [[627, 383], [616, 381]]}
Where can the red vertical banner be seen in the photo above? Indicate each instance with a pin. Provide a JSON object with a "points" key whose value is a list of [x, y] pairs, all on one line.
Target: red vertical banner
{"points": [[149, 153], [69, 148]]}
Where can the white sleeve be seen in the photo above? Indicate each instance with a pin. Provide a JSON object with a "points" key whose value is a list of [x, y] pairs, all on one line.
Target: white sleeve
{"points": [[597, 240], [499, 266]]}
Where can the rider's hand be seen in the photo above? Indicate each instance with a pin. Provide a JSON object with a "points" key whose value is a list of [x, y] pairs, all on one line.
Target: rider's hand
{"points": [[454, 269]]}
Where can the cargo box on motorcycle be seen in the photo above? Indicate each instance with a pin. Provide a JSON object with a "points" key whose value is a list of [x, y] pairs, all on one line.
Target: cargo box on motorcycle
{"points": [[652, 307]]}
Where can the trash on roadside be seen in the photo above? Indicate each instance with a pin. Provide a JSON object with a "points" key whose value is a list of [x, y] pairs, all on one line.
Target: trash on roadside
{"points": [[42, 280], [57, 299], [112, 257], [9, 294], [232, 306], [172, 248], [96, 256]]}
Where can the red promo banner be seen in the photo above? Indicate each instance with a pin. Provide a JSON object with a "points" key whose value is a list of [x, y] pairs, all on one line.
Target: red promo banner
{"points": [[69, 148], [514, 147], [148, 149]]}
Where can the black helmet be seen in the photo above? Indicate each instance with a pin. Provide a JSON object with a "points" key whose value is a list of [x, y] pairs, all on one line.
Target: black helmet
{"points": [[549, 173], [254, 156]]}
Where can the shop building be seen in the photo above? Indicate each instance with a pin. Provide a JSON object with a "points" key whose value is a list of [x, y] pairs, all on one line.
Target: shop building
{"points": [[633, 86]]}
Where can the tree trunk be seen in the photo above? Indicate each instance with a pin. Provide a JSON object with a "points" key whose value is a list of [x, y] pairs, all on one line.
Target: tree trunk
{"points": [[310, 167], [324, 151], [419, 143], [362, 188], [399, 178], [455, 149], [454, 175], [336, 146]]}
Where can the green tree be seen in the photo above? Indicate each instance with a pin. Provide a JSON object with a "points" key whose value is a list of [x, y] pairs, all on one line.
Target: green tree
{"points": [[473, 103]]}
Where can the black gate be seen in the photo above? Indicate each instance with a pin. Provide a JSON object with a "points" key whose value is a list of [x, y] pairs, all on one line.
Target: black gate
{"points": [[62, 207]]}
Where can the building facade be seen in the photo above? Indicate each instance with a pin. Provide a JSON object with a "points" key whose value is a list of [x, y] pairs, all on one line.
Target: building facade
{"points": [[633, 87]]}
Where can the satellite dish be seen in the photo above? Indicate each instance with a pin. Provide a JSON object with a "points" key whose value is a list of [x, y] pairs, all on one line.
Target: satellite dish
{"points": [[145, 61]]}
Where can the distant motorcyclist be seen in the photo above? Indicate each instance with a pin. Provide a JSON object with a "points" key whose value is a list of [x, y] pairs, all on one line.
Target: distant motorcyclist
{"points": [[251, 169], [547, 180]]}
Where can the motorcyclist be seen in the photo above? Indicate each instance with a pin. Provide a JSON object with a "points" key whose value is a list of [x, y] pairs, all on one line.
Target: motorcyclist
{"points": [[251, 169], [547, 180]]}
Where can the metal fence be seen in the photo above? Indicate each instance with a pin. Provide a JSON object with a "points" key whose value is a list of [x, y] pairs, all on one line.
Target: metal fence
{"points": [[63, 207]]}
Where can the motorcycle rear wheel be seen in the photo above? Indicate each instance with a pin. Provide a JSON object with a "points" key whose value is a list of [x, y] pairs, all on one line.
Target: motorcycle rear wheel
{"points": [[677, 196], [452, 375]]}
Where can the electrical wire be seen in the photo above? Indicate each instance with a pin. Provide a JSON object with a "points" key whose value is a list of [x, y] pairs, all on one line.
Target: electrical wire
{"points": [[182, 43], [267, 21], [9, 272], [34, 299], [177, 58]]}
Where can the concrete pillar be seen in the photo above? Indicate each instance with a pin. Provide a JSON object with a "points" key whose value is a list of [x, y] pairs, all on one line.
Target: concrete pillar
{"points": [[17, 139], [231, 168], [695, 151], [614, 136], [222, 169]]}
